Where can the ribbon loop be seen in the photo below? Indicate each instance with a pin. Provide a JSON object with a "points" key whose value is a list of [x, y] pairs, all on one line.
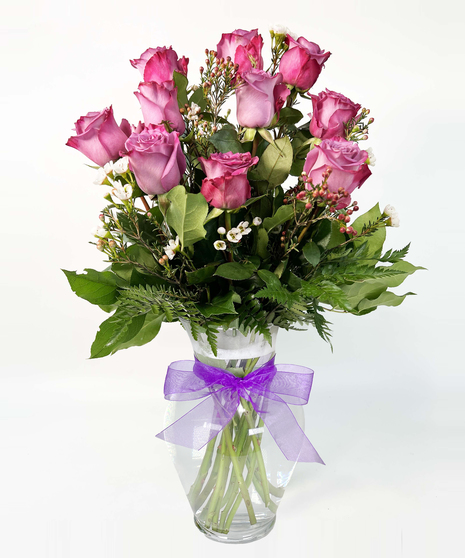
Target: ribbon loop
{"points": [[269, 389]]}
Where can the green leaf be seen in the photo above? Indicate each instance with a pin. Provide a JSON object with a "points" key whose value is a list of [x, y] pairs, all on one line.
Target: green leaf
{"points": [[198, 98], [97, 287], [275, 163], [181, 82], [214, 213], [283, 214], [262, 243], [311, 253], [220, 305], [328, 235], [385, 299], [200, 275], [186, 215], [376, 240], [143, 256], [236, 271], [147, 332], [289, 115], [114, 332], [225, 140]]}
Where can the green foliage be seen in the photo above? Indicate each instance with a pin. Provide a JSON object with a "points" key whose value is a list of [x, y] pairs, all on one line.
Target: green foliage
{"points": [[275, 163], [181, 82], [236, 271], [282, 215], [311, 253], [97, 287], [225, 140], [186, 214]]}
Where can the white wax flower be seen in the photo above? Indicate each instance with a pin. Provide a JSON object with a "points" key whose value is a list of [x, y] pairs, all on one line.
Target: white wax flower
{"points": [[121, 192], [243, 227], [171, 248], [108, 168], [193, 111], [257, 221], [282, 30], [391, 212], [371, 157], [121, 166], [99, 232], [219, 245], [101, 177], [234, 235], [221, 230]]}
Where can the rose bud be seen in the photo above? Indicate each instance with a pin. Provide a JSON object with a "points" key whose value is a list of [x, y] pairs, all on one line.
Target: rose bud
{"points": [[302, 63], [159, 103], [347, 162], [226, 192], [158, 64], [99, 137], [156, 159], [259, 98], [331, 111]]}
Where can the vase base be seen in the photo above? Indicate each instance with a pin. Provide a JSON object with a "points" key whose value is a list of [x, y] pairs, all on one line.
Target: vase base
{"points": [[240, 533]]}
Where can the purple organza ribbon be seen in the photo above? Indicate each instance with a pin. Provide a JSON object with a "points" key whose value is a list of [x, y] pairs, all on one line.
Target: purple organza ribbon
{"points": [[269, 389]]}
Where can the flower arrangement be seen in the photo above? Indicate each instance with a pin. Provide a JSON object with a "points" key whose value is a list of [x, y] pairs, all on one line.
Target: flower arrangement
{"points": [[245, 224]]}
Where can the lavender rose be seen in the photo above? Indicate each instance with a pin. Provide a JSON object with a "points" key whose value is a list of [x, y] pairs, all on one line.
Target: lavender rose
{"points": [[346, 161], [242, 47], [220, 164], [226, 192], [302, 63], [99, 137], [259, 98], [159, 103], [156, 159], [331, 111], [158, 64]]}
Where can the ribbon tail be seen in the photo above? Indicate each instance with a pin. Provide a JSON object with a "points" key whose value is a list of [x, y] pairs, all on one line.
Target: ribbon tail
{"points": [[198, 426], [284, 428]]}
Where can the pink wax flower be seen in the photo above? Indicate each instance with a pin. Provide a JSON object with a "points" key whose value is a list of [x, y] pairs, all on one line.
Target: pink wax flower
{"points": [[242, 46], [160, 103], [259, 98], [219, 164], [99, 137], [156, 159], [302, 63], [331, 111], [346, 161], [226, 192], [158, 64]]}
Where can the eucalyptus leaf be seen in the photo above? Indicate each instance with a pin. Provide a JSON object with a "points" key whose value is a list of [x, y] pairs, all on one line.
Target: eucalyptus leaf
{"points": [[236, 271], [311, 253], [97, 287], [200, 275], [225, 140], [282, 215], [220, 305], [181, 82], [376, 240]]}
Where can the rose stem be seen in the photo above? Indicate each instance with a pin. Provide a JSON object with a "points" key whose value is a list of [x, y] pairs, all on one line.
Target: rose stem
{"points": [[203, 472], [216, 492], [209, 484], [240, 478]]}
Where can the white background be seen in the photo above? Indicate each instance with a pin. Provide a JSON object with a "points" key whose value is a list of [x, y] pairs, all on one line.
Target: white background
{"points": [[81, 474]]}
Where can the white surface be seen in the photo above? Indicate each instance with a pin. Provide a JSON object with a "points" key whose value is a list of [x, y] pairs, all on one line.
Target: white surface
{"points": [[81, 474]]}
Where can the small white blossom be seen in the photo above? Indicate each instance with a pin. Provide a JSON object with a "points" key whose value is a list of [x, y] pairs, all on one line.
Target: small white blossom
{"points": [[257, 221], [234, 235], [171, 248], [101, 177], [371, 157], [108, 168], [221, 230], [193, 111], [243, 227], [282, 30], [219, 245], [121, 166], [121, 192], [391, 212], [99, 232]]}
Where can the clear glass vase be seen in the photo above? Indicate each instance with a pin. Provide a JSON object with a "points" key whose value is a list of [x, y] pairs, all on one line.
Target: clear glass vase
{"points": [[235, 483]]}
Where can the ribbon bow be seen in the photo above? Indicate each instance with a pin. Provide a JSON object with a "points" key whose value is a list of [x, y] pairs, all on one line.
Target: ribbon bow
{"points": [[269, 389]]}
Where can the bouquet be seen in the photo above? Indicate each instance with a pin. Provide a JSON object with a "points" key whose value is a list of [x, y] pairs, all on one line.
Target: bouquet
{"points": [[239, 218]]}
